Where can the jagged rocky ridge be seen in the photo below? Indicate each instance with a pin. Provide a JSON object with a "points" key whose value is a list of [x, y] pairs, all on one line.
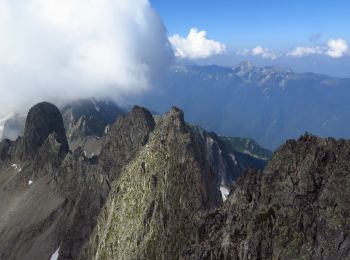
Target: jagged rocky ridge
{"points": [[153, 193], [52, 198], [297, 209], [86, 121]]}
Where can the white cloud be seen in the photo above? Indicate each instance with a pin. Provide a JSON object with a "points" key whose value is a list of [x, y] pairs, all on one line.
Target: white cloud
{"points": [[337, 48], [243, 52], [196, 45], [301, 51], [65, 49], [264, 53]]}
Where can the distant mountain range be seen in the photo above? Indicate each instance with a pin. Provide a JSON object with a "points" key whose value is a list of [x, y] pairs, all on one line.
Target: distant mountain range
{"points": [[267, 104]]}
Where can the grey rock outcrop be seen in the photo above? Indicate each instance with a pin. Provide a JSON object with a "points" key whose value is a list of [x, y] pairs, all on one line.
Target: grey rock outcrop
{"points": [[297, 209]]}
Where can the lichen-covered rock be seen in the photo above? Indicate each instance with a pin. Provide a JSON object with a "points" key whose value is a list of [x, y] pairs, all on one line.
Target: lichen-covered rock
{"points": [[297, 209], [154, 206]]}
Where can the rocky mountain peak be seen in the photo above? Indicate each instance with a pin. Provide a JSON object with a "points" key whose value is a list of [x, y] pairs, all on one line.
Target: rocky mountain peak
{"points": [[175, 117], [295, 209], [125, 138], [138, 113], [246, 66], [43, 120]]}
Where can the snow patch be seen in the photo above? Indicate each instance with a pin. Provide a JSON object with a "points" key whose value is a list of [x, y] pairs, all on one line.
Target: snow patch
{"points": [[107, 129], [224, 192], [55, 255], [16, 167]]}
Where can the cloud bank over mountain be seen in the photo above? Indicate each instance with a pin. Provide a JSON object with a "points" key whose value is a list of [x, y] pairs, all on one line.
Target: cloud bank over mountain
{"points": [[66, 49]]}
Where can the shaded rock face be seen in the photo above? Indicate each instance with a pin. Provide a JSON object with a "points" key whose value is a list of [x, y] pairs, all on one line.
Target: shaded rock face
{"points": [[90, 116], [86, 122], [228, 163], [5, 146], [43, 119], [297, 209], [222, 161]]}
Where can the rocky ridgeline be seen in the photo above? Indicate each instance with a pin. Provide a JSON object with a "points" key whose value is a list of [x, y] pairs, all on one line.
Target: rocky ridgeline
{"points": [[153, 193], [297, 209]]}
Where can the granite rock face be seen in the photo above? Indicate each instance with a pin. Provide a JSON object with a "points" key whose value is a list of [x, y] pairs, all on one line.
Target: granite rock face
{"points": [[297, 209]]}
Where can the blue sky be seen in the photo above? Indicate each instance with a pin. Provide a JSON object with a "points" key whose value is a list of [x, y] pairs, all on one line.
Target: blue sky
{"points": [[278, 25]]}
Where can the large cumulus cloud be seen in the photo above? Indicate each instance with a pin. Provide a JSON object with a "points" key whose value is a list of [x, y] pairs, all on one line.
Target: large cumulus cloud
{"points": [[66, 49], [196, 45]]}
